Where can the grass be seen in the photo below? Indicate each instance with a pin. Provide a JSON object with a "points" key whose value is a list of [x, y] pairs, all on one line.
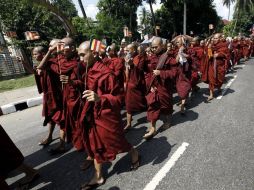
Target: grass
{"points": [[16, 83]]}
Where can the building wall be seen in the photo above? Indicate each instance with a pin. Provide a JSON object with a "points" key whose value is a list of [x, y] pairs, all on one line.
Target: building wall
{"points": [[10, 64]]}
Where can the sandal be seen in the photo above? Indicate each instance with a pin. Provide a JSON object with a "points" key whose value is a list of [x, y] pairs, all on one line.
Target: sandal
{"points": [[127, 128], [209, 99], [149, 137], [46, 142], [86, 164], [88, 186], [135, 165], [182, 109]]}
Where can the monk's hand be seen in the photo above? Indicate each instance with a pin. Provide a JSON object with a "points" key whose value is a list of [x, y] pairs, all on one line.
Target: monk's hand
{"points": [[91, 96], [38, 71], [177, 58], [153, 89], [53, 48], [156, 72], [215, 55], [64, 79]]}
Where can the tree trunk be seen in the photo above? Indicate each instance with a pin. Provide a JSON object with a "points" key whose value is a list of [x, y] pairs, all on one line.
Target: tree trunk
{"points": [[228, 11], [153, 17], [184, 17], [83, 12], [236, 20]]}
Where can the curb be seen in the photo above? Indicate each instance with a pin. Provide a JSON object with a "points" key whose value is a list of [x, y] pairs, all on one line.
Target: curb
{"points": [[21, 105]]}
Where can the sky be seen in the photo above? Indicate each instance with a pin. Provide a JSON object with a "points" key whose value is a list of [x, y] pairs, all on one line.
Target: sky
{"points": [[92, 10]]}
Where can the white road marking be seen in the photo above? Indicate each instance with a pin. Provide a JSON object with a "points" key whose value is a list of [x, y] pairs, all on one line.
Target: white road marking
{"points": [[165, 169], [226, 87]]}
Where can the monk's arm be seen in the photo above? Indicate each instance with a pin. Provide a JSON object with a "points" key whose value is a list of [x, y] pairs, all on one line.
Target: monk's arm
{"points": [[45, 60]]}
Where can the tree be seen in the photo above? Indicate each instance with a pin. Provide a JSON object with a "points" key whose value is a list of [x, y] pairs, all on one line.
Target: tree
{"points": [[115, 14], [151, 2], [199, 15], [21, 16], [241, 7], [145, 21]]}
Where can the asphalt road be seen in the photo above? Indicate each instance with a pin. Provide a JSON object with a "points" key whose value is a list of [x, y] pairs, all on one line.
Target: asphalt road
{"points": [[218, 152]]}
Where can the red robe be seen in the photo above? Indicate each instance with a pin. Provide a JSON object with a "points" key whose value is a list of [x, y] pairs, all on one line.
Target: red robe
{"points": [[116, 65], [11, 157], [196, 55], [236, 53], [135, 85], [160, 102], [246, 48], [216, 68], [103, 134], [52, 95], [72, 93]]}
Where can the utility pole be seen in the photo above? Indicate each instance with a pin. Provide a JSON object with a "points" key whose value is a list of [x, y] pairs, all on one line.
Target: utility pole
{"points": [[184, 16], [83, 12]]}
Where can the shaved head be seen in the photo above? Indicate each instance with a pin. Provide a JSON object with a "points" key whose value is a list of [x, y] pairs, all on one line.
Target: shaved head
{"points": [[157, 45], [69, 48], [38, 53], [68, 41], [216, 38], [85, 53], [53, 42], [40, 49]]}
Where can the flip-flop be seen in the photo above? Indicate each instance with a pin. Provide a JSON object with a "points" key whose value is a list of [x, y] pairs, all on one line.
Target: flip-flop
{"points": [[45, 142], [149, 137], [127, 128], [135, 165], [88, 186]]}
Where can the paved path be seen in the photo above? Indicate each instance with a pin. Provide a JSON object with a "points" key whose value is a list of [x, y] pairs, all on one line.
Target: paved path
{"points": [[211, 148]]}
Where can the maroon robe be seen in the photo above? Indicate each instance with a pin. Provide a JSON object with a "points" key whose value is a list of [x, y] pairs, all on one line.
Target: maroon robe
{"points": [[236, 54], [160, 102], [52, 108], [72, 93], [10, 159], [103, 134], [246, 48], [196, 55], [135, 85], [217, 66]]}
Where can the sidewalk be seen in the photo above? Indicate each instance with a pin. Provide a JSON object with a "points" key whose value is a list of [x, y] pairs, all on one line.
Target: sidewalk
{"points": [[15, 100]]}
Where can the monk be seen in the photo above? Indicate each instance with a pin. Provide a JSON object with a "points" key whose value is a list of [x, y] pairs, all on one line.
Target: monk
{"points": [[121, 52], [71, 75], [216, 65], [136, 63], [196, 54], [103, 135], [183, 80], [12, 159], [159, 82], [116, 65], [235, 48], [52, 99]]}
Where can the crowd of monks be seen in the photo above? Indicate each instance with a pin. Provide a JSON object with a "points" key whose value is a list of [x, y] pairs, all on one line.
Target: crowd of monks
{"points": [[84, 91]]}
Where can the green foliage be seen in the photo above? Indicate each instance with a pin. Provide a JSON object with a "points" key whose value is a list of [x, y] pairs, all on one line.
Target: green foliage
{"points": [[16, 83], [199, 15], [21, 16]]}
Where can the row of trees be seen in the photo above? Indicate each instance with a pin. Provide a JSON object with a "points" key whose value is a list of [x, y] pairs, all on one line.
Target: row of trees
{"points": [[53, 18]]}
